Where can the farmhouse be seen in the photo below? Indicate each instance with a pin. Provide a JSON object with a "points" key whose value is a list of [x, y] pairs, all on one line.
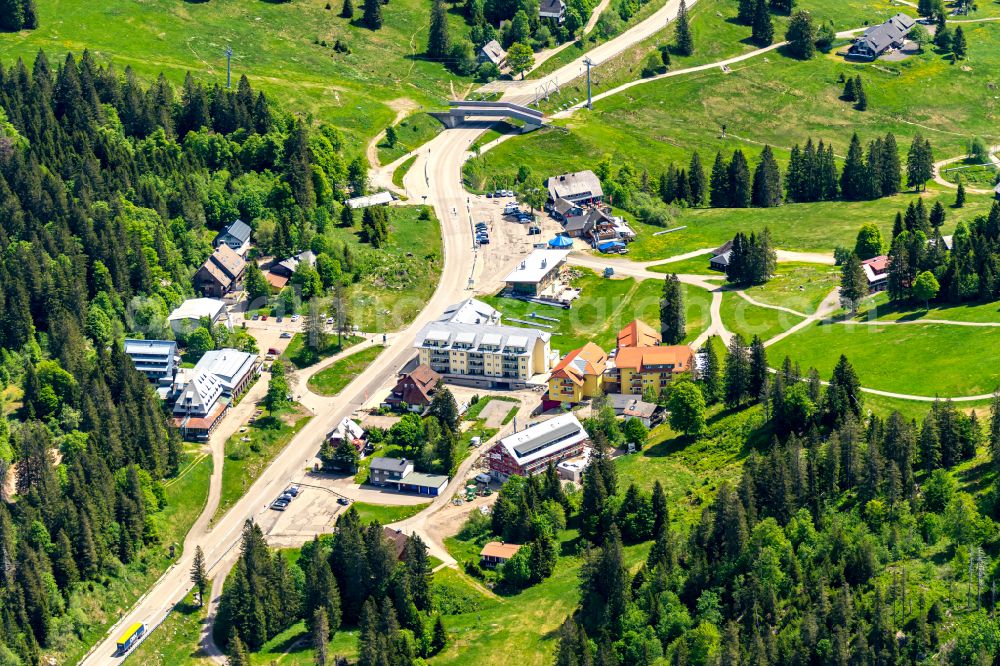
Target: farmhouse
{"points": [[530, 451], [496, 553], [221, 273], [579, 376], [236, 235], [580, 188], [483, 354], [397, 541], [492, 52], [877, 271], [636, 369], [581, 222], [554, 10], [189, 314], [157, 359], [414, 389], [537, 272], [880, 38]]}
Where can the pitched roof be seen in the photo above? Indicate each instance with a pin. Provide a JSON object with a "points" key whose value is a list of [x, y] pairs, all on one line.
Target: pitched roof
{"points": [[638, 333], [347, 429], [500, 550], [879, 264], [494, 52], [543, 439], [631, 405], [574, 186], [553, 8], [587, 219], [644, 358], [579, 363], [415, 388], [880, 37], [238, 229], [470, 311], [396, 539], [390, 464]]}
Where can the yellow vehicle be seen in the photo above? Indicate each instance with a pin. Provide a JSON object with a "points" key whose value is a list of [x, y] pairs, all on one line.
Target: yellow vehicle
{"points": [[131, 636]]}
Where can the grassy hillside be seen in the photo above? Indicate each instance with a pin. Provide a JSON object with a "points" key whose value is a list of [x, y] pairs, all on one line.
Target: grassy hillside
{"points": [[279, 46]]}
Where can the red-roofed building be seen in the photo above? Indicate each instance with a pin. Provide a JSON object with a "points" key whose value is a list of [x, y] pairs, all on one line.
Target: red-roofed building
{"points": [[638, 334], [639, 368], [415, 389], [578, 376], [877, 271]]}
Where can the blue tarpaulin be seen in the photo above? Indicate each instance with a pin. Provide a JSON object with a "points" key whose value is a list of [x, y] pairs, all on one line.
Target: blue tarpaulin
{"points": [[561, 241], [611, 246]]}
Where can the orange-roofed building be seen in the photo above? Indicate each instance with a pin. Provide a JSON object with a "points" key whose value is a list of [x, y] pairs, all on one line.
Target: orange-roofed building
{"points": [[579, 375], [639, 368], [638, 334], [496, 553]]}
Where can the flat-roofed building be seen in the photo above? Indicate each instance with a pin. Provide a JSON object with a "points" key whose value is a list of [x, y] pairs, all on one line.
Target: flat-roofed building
{"points": [[189, 314], [202, 394], [536, 272], [157, 359], [530, 451]]}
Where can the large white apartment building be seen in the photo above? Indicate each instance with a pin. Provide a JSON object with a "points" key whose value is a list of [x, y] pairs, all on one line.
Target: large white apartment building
{"points": [[468, 345]]}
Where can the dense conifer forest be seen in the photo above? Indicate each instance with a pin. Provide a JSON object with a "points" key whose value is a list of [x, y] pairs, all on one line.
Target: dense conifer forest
{"points": [[111, 191]]}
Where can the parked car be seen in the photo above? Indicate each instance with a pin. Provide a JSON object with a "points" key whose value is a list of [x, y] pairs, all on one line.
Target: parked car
{"points": [[329, 320], [534, 231], [263, 317], [481, 226], [279, 504], [608, 272], [293, 491], [343, 501], [255, 317], [280, 319], [489, 195], [285, 334], [295, 317], [272, 351], [485, 240]]}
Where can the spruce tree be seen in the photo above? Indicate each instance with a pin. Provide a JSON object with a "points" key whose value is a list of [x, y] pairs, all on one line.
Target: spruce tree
{"points": [[862, 103], [919, 164], [891, 169], [757, 383], [199, 574], [850, 93], [347, 10], [960, 194], [736, 381], [320, 635], [958, 44], [937, 216], [696, 181], [853, 283], [844, 398], [854, 179], [801, 36], [738, 177], [373, 14], [11, 15], [438, 39], [745, 12], [719, 184], [683, 41], [762, 30], [767, 181], [672, 314], [711, 375]]}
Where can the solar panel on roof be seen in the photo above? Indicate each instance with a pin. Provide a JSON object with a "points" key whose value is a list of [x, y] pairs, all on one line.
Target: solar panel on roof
{"points": [[557, 432]]}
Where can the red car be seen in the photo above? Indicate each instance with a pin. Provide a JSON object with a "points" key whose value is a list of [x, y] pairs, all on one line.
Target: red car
{"points": [[263, 317]]}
